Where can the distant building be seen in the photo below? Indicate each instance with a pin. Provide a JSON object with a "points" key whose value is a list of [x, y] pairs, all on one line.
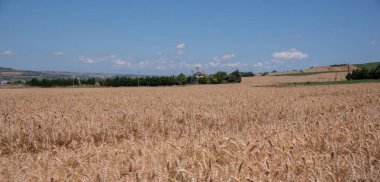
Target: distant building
{"points": [[200, 74], [3, 82]]}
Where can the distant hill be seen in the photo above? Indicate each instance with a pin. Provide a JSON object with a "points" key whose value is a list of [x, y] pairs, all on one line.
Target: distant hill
{"points": [[2, 69], [13, 74], [327, 69], [332, 68], [367, 65]]}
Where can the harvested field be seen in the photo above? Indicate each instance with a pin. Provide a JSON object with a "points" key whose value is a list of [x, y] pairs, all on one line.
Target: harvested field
{"points": [[232, 132], [9, 73], [331, 68], [275, 80], [320, 69]]}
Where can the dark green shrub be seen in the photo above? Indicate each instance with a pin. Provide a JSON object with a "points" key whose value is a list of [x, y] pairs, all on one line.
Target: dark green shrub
{"points": [[234, 77]]}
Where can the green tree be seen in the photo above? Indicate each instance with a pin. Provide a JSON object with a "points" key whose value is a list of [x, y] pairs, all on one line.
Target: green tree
{"points": [[234, 77], [181, 79], [220, 76], [213, 80], [364, 73], [376, 72], [247, 74], [204, 80]]}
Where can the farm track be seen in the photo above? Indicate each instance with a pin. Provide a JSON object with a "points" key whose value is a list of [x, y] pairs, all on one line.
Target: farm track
{"points": [[232, 132]]}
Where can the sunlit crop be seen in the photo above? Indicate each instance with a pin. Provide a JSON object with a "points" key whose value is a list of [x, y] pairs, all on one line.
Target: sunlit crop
{"points": [[232, 132]]}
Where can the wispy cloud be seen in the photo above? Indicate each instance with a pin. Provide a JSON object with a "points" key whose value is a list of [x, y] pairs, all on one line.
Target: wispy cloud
{"points": [[143, 64], [160, 67], [258, 65], [119, 62], [58, 53], [113, 59], [8, 53], [374, 42], [218, 61], [180, 49], [180, 52], [228, 56], [86, 59], [263, 65], [291, 54], [215, 62], [171, 64], [181, 46], [234, 65]]}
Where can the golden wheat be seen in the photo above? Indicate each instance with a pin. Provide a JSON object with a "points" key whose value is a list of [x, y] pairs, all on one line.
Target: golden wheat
{"points": [[231, 132]]}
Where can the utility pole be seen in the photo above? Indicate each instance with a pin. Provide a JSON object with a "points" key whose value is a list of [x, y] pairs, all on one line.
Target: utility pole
{"points": [[197, 73], [138, 79]]}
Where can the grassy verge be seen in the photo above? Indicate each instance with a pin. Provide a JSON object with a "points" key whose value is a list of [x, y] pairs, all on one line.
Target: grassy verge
{"points": [[307, 73], [335, 82]]}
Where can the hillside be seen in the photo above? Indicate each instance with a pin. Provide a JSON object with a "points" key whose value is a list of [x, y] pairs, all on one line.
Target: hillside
{"points": [[316, 70], [327, 69], [294, 77], [331, 68], [371, 65], [2, 69], [14, 74]]}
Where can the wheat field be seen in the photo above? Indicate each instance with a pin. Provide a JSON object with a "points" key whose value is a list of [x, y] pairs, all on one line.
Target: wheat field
{"points": [[233, 132]]}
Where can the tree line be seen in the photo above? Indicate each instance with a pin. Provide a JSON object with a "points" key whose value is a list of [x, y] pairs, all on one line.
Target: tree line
{"points": [[247, 74], [60, 82], [181, 79], [364, 73]]}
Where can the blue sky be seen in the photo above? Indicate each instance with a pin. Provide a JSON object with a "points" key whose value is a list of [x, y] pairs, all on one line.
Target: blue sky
{"points": [[173, 36]]}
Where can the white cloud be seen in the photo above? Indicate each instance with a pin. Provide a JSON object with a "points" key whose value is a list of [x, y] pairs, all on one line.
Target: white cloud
{"points": [[8, 53], [160, 67], [189, 65], [86, 59], [228, 56], [180, 49], [113, 59], [58, 53], [180, 52], [234, 65], [158, 64], [214, 63], [217, 61], [109, 58], [263, 65], [171, 65], [143, 64], [194, 65], [119, 62], [258, 65], [181, 46], [291, 54], [163, 63], [374, 42]]}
